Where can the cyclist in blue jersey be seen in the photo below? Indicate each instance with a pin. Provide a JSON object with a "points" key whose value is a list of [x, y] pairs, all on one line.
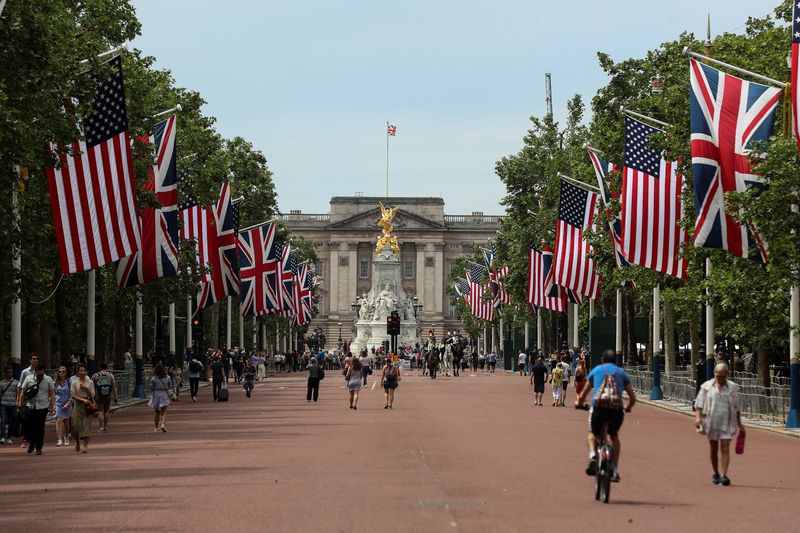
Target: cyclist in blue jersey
{"points": [[608, 382]]}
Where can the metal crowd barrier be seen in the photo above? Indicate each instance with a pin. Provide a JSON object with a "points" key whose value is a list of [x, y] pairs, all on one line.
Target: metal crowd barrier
{"points": [[756, 401]]}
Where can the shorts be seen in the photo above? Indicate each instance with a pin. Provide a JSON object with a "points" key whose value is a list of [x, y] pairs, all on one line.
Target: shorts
{"points": [[564, 385], [103, 403], [718, 434], [538, 387], [521, 366], [597, 417]]}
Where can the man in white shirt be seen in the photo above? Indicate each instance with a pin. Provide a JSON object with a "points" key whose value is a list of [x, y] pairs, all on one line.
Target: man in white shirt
{"points": [[521, 362]]}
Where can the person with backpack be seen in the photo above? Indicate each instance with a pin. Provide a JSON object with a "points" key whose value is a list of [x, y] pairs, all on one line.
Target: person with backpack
{"points": [[39, 397], [196, 370], [315, 374], [8, 403], [608, 382], [390, 377], [105, 387]]}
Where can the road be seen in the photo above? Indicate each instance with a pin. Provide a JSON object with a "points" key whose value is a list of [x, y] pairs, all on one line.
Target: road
{"points": [[467, 454]]}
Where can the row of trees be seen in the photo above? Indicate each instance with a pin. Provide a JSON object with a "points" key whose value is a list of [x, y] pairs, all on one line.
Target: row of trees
{"points": [[751, 300], [41, 65]]}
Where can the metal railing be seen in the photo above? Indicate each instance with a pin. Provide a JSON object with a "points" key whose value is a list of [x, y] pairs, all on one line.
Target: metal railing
{"points": [[756, 402]]}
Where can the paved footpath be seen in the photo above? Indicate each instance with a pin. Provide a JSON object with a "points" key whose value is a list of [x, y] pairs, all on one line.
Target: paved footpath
{"points": [[455, 454]]}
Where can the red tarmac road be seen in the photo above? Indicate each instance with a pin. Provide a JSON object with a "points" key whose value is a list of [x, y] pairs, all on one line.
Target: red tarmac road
{"points": [[455, 454]]}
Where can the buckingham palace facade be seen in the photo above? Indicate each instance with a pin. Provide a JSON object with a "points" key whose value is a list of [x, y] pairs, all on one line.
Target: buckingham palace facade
{"points": [[430, 242]]}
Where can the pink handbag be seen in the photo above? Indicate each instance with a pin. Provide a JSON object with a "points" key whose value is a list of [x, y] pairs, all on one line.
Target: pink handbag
{"points": [[740, 444]]}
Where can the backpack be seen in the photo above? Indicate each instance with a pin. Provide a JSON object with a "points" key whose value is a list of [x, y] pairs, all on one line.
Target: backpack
{"points": [[391, 374], [103, 384], [196, 366], [607, 395]]}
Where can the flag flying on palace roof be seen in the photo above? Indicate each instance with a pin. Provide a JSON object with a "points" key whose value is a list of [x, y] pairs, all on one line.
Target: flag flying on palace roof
{"points": [[158, 256], [93, 194], [572, 267], [651, 204], [727, 116]]}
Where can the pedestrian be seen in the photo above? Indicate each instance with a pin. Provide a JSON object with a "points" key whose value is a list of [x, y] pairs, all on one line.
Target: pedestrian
{"points": [[217, 376], [39, 398], [83, 393], [176, 377], [566, 371], [261, 368], [354, 378], [538, 379], [29, 370], [482, 361], [366, 366], [195, 371], [160, 385], [556, 376], [105, 387], [491, 360], [390, 377], [8, 403], [717, 415], [580, 375], [522, 360], [249, 375], [64, 405], [315, 375]]}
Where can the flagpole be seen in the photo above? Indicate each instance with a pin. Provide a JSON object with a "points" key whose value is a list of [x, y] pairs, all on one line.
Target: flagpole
{"points": [[539, 330], [656, 393], [387, 159], [618, 329], [138, 388], [707, 59], [241, 327], [189, 317], [634, 114], [90, 319], [228, 339], [578, 183], [172, 329], [16, 265], [575, 319], [709, 328]]}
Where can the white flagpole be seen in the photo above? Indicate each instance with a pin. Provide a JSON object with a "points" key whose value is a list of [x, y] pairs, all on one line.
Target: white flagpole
{"points": [[575, 335], [656, 393], [90, 319], [539, 333], [387, 159], [138, 390], [527, 336], [618, 335], [16, 264], [2, 6], [228, 339], [172, 329], [709, 329], [189, 318]]}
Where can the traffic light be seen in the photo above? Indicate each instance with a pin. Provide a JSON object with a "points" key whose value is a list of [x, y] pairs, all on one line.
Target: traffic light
{"points": [[197, 331], [393, 324], [389, 325]]}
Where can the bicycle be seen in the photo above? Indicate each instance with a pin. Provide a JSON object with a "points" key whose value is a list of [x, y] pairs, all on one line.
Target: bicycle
{"points": [[602, 479]]}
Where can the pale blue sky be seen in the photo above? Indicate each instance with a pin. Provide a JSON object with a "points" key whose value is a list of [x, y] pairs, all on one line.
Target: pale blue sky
{"points": [[312, 83]]}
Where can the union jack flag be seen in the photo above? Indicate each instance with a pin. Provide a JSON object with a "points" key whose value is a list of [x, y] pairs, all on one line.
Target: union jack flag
{"points": [[158, 256], [796, 71], [727, 115], [540, 265], [259, 271], [222, 256], [391, 130], [287, 276], [303, 299], [602, 170]]}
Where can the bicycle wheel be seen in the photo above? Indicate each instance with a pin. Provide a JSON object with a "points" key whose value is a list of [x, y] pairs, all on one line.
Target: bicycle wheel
{"points": [[598, 484], [606, 486]]}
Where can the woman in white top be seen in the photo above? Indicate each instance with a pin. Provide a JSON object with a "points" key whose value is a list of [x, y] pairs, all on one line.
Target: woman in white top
{"points": [[353, 377]]}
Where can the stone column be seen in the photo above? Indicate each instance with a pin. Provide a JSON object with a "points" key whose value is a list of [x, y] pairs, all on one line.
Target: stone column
{"points": [[439, 275], [333, 295]]}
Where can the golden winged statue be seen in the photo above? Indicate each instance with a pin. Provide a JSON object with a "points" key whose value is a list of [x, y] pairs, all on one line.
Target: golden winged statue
{"points": [[385, 222]]}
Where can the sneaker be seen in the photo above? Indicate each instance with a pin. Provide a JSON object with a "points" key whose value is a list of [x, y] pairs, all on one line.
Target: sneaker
{"points": [[60, 442], [194, 399], [163, 429], [355, 408], [30, 448], [615, 476], [724, 481], [38, 452], [591, 470], [386, 406], [715, 479]]}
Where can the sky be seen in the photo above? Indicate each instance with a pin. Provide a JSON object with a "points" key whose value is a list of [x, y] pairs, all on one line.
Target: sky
{"points": [[312, 84]]}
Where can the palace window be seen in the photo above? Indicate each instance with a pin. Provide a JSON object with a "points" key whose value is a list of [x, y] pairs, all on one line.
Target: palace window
{"points": [[363, 269], [408, 269], [318, 270]]}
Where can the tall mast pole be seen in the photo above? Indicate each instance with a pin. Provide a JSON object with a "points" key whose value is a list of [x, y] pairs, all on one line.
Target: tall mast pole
{"points": [[548, 93], [387, 160]]}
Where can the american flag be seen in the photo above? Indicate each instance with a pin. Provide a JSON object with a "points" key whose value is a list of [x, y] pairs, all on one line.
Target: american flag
{"points": [[795, 71], [222, 257], [461, 286], [481, 308], [303, 299], [727, 115], [158, 256], [259, 270], [651, 204], [539, 267], [391, 130], [93, 194], [602, 170], [572, 267], [499, 294]]}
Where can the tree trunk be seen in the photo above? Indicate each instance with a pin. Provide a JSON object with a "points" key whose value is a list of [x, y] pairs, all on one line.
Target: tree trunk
{"points": [[669, 337], [30, 326], [630, 314], [119, 340], [694, 336], [215, 327], [45, 344]]}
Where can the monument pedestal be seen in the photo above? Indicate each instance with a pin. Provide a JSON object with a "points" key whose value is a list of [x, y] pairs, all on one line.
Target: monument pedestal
{"points": [[386, 295]]}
